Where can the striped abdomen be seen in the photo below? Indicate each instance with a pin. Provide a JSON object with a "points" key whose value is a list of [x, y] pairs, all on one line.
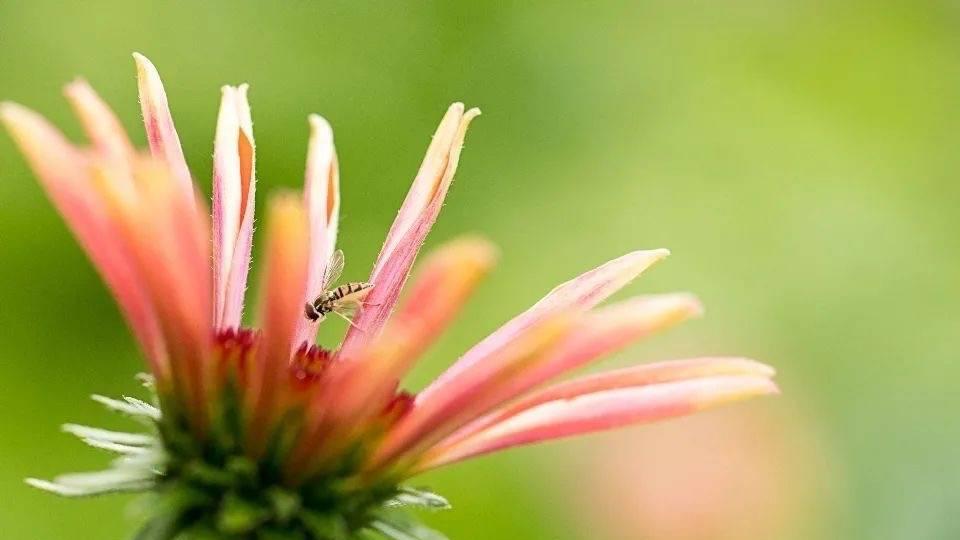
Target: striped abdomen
{"points": [[348, 295], [348, 290]]}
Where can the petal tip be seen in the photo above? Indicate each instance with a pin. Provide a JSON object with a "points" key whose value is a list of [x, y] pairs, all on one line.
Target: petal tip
{"points": [[143, 63], [79, 84], [692, 304], [16, 117], [9, 110], [481, 247], [735, 388], [320, 127]]}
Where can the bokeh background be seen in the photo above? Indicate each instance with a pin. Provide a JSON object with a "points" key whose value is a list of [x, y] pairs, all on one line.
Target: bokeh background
{"points": [[800, 158]]}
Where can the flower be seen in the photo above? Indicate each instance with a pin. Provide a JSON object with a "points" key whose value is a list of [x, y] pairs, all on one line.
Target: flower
{"points": [[265, 431]]}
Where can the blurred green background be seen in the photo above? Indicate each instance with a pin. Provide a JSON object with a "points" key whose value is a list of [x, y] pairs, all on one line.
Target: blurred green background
{"points": [[799, 158]]}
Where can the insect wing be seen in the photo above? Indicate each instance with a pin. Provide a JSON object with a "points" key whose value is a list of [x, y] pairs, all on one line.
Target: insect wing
{"points": [[333, 270], [347, 309], [351, 302]]}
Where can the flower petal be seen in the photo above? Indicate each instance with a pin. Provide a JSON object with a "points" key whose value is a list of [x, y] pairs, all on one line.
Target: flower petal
{"points": [[161, 133], [578, 294], [600, 333], [102, 126], [234, 187], [63, 171], [646, 374], [605, 410], [282, 292], [322, 195], [168, 238], [409, 230], [444, 284], [472, 394]]}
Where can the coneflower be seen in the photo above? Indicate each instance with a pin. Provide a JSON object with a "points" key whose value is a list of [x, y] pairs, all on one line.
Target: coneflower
{"points": [[263, 433]]}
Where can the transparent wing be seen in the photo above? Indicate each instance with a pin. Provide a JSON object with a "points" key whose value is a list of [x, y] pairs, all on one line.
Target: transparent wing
{"points": [[349, 305], [334, 269], [347, 310]]}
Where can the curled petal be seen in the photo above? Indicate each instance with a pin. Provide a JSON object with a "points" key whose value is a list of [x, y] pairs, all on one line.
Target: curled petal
{"points": [[64, 173], [473, 394], [576, 295], [161, 133], [605, 409], [282, 290], [322, 195], [102, 126], [409, 230], [444, 284], [234, 187]]}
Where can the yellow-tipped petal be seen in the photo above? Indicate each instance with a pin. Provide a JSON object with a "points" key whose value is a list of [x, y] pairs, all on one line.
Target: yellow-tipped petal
{"points": [[577, 295], [161, 133], [603, 410], [408, 232], [280, 308]]}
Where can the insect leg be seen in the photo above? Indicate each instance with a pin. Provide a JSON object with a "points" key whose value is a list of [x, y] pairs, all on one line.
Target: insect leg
{"points": [[349, 321]]}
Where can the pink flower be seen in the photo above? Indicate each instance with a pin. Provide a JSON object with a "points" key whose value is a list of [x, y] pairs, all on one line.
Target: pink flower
{"points": [[307, 419]]}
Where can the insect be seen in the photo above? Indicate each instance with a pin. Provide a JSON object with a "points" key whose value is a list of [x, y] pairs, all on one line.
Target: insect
{"points": [[344, 301]]}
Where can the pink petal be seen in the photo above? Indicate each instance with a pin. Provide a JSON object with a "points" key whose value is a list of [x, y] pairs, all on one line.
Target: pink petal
{"points": [[322, 195], [646, 374], [102, 126], [63, 172], [447, 279], [161, 133], [605, 410], [578, 294], [168, 237], [234, 187], [483, 379], [409, 230], [282, 292], [468, 397], [600, 333]]}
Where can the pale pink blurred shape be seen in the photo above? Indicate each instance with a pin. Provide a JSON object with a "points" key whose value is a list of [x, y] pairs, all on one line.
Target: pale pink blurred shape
{"points": [[321, 191], [234, 188], [101, 125], [736, 474], [408, 232]]}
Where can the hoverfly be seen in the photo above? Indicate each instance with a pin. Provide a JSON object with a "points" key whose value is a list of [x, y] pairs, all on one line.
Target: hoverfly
{"points": [[345, 300]]}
